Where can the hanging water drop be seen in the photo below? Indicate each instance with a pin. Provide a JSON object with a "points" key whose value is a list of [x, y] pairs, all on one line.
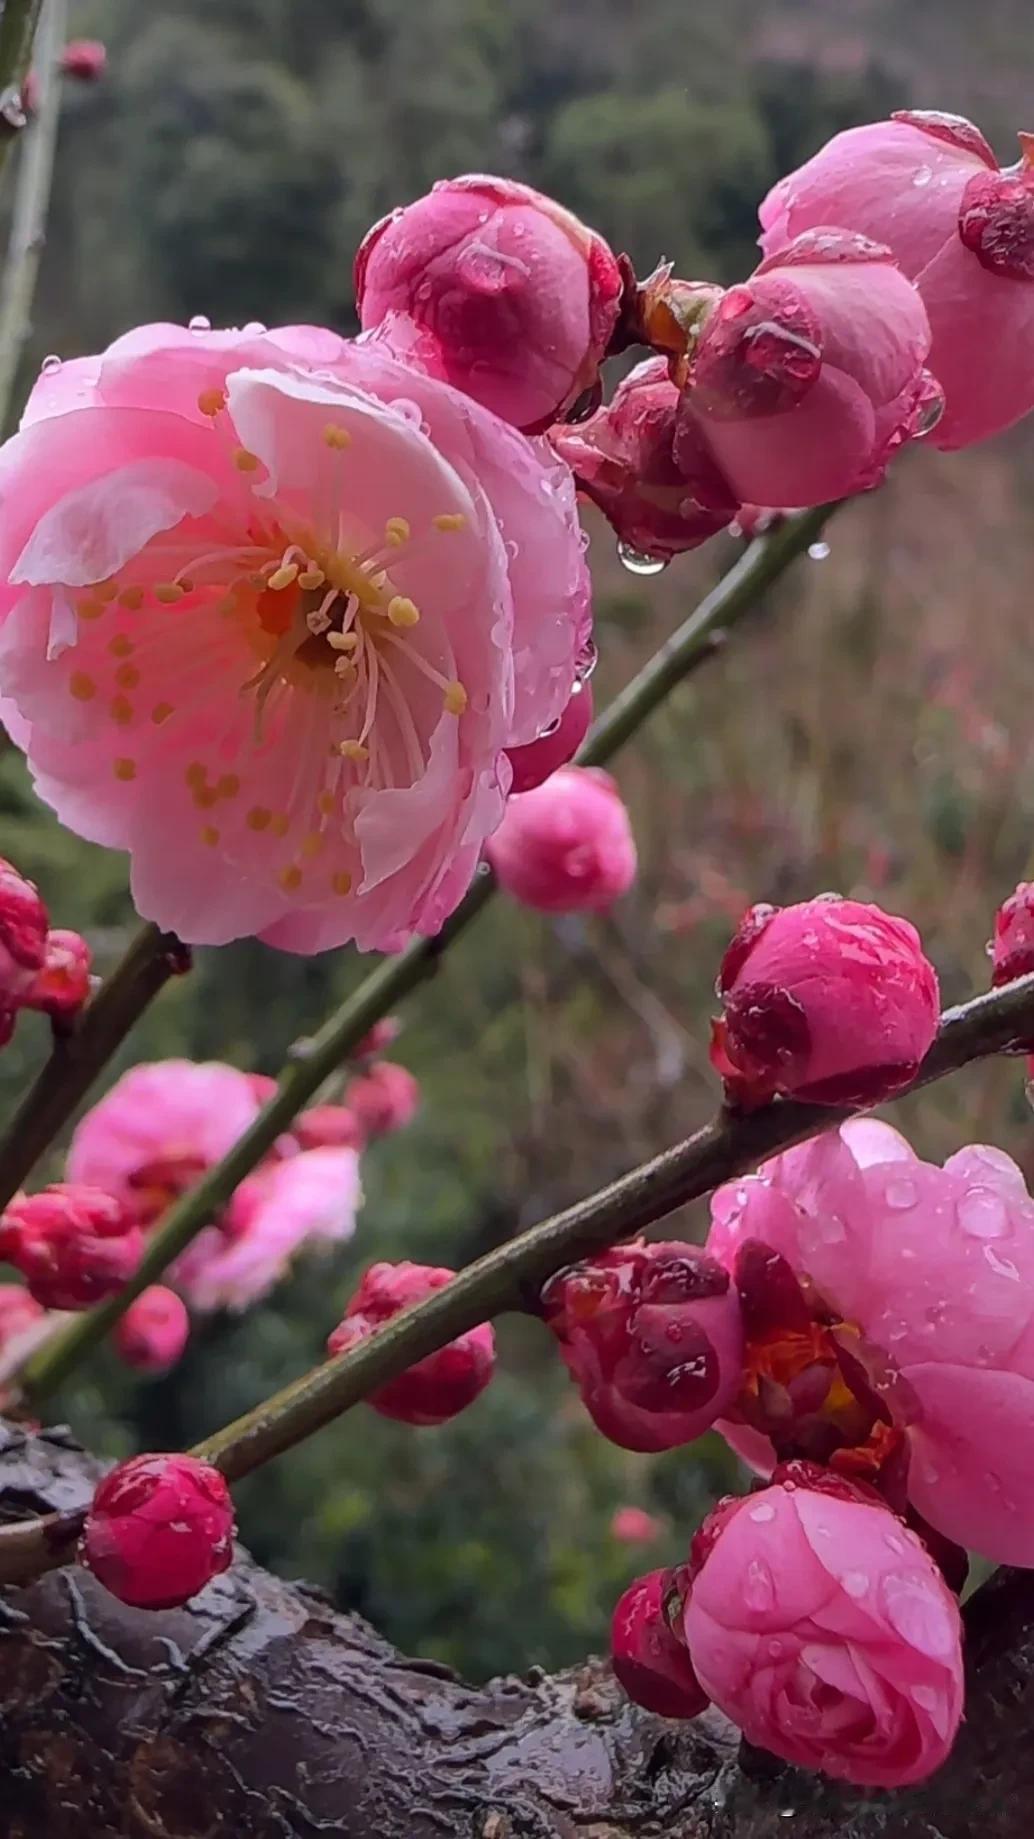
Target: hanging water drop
{"points": [[639, 564], [586, 661], [199, 322], [50, 365], [817, 552]]}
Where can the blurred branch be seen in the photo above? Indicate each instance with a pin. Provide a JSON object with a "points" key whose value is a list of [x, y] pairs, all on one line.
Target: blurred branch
{"points": [[313, 1061], [31, 203], [77, 1058], [18, 23]]}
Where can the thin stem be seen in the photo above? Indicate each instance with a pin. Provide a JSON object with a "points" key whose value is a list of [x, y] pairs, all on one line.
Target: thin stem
{"points": [[18, 23], [512, 1274], [31, 204], [76, 1059], [315, 1060]]}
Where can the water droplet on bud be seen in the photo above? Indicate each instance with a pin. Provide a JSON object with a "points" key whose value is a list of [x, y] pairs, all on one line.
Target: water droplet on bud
{"points": [[50, 365], [254, 328], [199, 322], [639, 564], [817, 552], [922, 176]]}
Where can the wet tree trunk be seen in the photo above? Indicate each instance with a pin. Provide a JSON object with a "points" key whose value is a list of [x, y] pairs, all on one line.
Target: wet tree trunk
{"points": [[259, 1713]]}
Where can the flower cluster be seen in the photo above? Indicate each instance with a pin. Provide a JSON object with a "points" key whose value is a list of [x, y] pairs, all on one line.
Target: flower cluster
{"points": [[39, 968]]}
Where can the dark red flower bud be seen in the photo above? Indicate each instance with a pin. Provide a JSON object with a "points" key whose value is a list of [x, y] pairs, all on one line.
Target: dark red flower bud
{"points": [[1012, 950], [74, 1245], [652, 1336], [441, 1385], [86, 59], [650, 1658], [23, 935], [533, 763], [159, 1529], [62, 985]]}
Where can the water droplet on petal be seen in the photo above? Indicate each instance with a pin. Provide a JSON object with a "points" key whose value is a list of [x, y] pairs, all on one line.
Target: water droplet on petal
{"points": [[762, 1512], [930, 411], [50, 364], [1002, 1267], [199, 322], [586, 661], [983, 1214], [817, 552], [922, 176], [759, 1586], [639, 564], [254, 328], [856, 1583], [894, 1543], [901, 1195]]}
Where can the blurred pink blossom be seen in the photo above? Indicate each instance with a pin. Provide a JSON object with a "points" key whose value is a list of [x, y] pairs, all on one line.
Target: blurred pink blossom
{"points": [[154, 1331], [634, 1526], [567, 846], [307, 1201], [385, 1098]]}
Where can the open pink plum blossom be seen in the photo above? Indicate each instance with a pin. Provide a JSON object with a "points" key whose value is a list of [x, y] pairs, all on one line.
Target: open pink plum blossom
{"points": [[932, 1272], [822, 1627], [567, 846], [308, 1201], [497, 289], [810, 375], [928, 185], [272, 607], [623, 458], [831, 1000], [159, 1128]]}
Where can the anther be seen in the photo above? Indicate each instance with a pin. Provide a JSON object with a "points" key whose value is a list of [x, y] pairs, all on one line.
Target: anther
{"points": [[311, 578], [282, 577], [402, 611], [290, 879], [397, 531], [336, 436], [209, 835], [212, 402], [455, 698], [168, 592], [81, 686], [125, 769], [343, 641], [449, 520], [132, 598], [353, 750], [341, 882], [244, 461]]}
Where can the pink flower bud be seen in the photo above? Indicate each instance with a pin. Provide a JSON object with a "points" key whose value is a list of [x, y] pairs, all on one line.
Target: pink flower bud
{"points": [[86, 59], [159, 1529], [567, 846], [821, 1626], [379, 1039], [649, 1653], [535, 762], [809, 376], [438, 1387], [928, 185], [832, 1000], [262, 1086], [18, 1312], [497, 290], [623, 458], [154, 1330], [634, 1526], [329, 1127], [23, 936], [1012, 953], [62, 985], [652, 1336], [73, 1245], [384, 1099]]}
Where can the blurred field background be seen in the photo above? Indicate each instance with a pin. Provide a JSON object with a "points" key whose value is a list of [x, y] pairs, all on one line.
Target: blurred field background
{"points": [[870, 732]]}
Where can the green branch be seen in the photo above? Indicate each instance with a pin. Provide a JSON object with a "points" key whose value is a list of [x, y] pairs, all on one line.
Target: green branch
{"points": [[18, 23], [314, 1060]]}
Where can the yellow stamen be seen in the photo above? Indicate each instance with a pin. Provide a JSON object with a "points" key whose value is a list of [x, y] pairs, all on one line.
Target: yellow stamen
{"points": [[449, 520], [353, 750], [345, 668], [244, 461], [341, 882], [311, 578], [121, 711], [81, 686], [209, 834], [397, 531], [259, 818], [196, 773], [312, 844], [455, 698], [132, 598], [106, 591], [402, 611], [168, 593], [281, 823], [326, 804], [212, 402], [283, 577], [336, 436], [89, 609], [205, 796], [290, 879], [343, 641], [127, 676], [125, 769], [228, 786], [121, 646], [161, 712]]}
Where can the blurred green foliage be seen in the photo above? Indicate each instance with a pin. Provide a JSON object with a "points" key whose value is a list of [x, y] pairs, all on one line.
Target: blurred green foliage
{"points": [[228, 164]]}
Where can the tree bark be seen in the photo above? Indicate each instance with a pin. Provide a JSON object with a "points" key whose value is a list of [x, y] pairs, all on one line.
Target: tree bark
{"points": [[259, 1713]]}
